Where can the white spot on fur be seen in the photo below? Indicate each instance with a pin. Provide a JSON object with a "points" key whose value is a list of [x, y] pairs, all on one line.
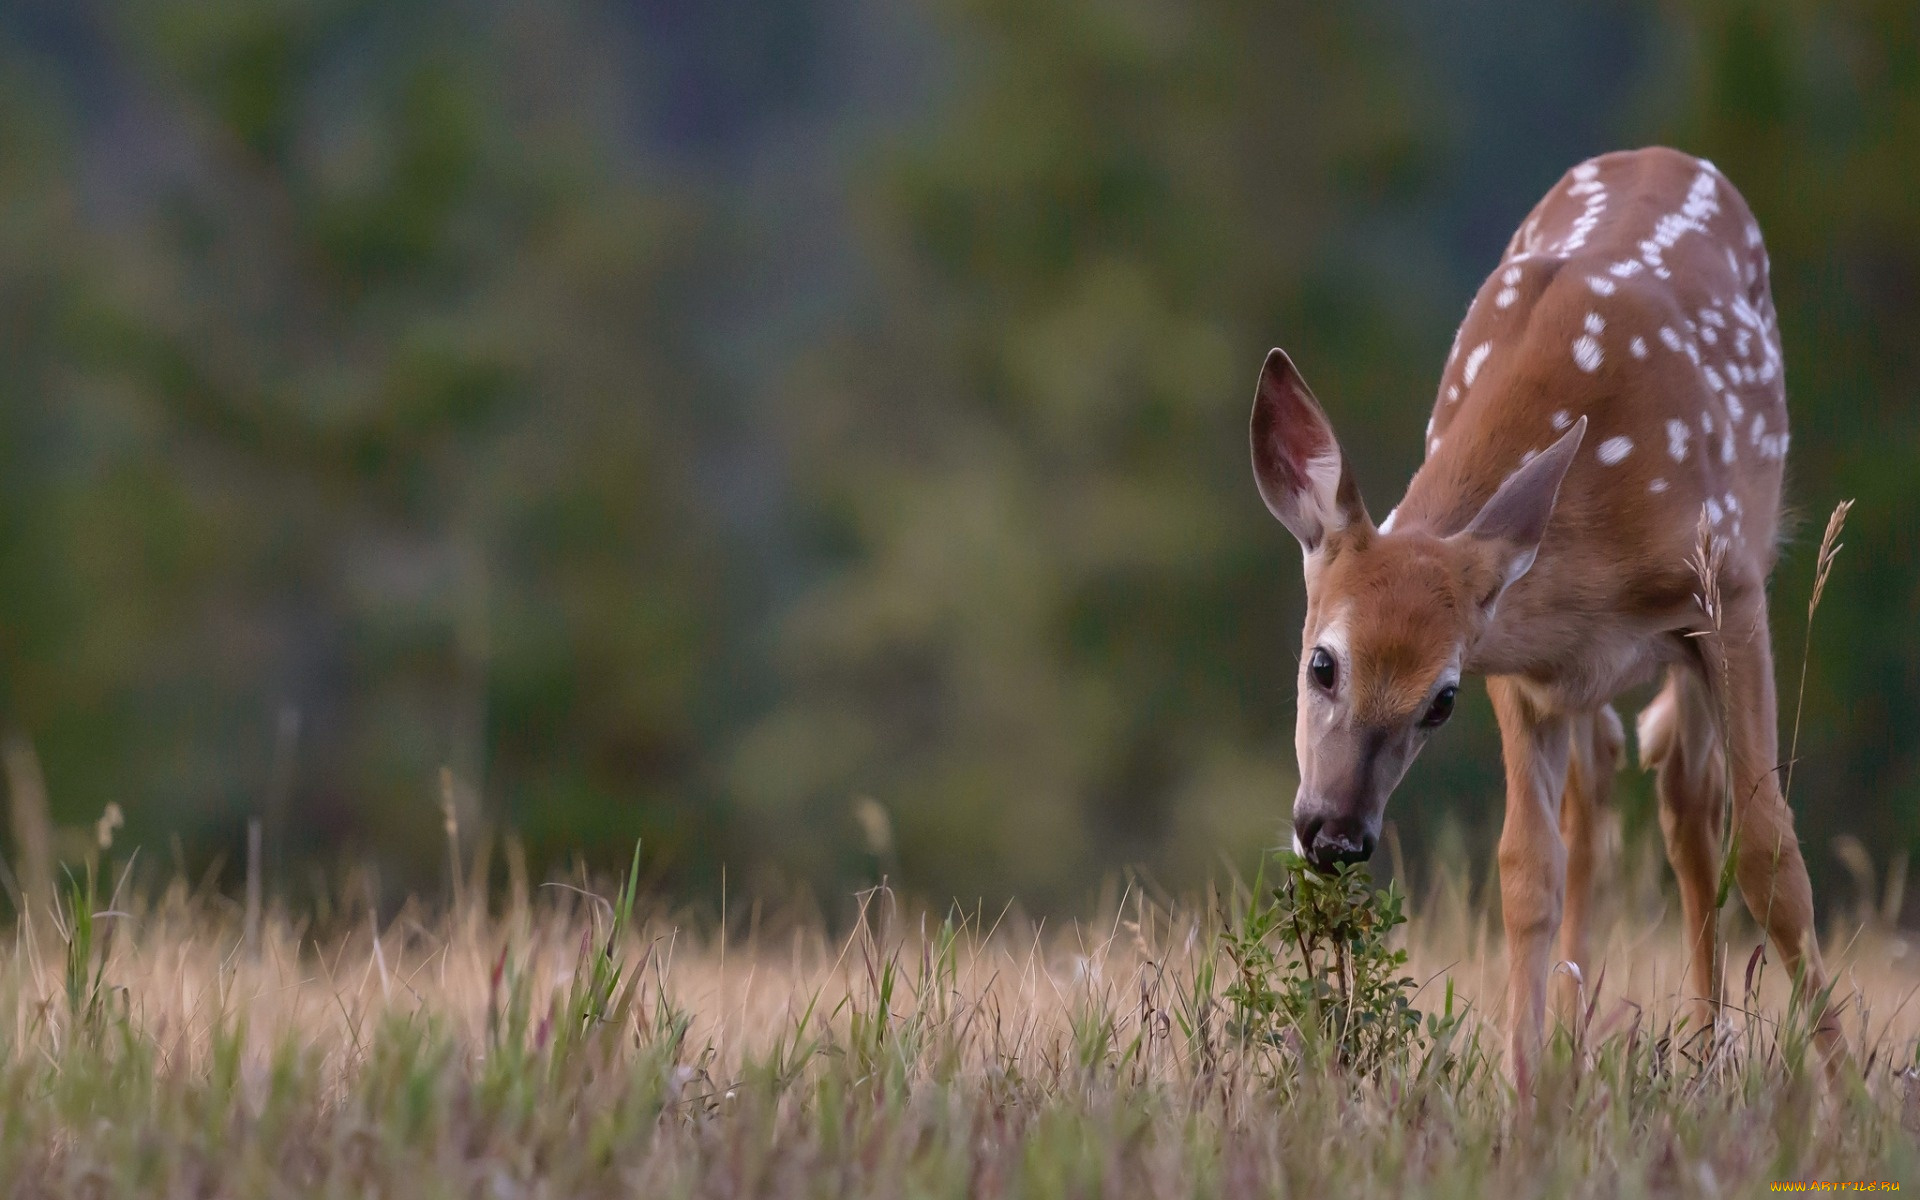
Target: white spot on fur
{"points": [[1637, 347], [1615, 449], [1735, 410], [1625, 269], [1669, 338], [1586, 353], [1677, 434], [1506, 298], [1601, 285], [1701, 205], [1656, 485], [1475, 359], [1714, 511], [1589, 218], [1563, 420]]}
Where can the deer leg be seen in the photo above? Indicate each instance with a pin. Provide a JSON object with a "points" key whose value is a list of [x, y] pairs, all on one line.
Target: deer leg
{"points": [[1771, 873], [1533, 862], [1679, 743], [1594, 756]]}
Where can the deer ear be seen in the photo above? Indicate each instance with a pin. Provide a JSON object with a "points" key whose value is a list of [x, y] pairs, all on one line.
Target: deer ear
{"points": [[1509, 527], [1297, 463]]}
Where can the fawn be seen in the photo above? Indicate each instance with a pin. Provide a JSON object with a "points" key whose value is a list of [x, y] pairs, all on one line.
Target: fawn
{"points": [[1614, 402]]}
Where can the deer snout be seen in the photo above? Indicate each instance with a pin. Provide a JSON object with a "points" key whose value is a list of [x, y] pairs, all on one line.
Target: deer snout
{"points": [[1326, 842]]}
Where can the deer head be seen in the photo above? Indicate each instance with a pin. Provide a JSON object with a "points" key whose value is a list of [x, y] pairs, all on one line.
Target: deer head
{"points": [[1392, 617]]}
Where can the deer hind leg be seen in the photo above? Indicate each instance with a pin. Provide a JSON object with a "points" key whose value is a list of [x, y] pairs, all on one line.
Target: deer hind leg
{"points": [[1772, 876], [1595, 741], [1680, 744]]}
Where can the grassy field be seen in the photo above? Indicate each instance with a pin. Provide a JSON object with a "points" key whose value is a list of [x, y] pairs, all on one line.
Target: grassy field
{"points": [[551, 1044]]}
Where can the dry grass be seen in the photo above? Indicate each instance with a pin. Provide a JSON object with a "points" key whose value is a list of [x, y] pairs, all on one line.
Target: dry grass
{"points": [[546, 1048]]}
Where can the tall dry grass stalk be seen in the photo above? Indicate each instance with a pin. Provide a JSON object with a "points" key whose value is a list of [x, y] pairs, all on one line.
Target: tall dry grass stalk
{"points": [[1830, 545], [256, 871], [31, 823], [1707, 562]]}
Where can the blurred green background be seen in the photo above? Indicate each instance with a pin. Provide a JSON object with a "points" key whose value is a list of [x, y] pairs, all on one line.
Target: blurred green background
{"points": [[716, 422]]}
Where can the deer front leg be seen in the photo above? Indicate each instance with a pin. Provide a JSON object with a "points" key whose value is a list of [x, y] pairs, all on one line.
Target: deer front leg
{"points": [[1533, 863], [1596, 742]]}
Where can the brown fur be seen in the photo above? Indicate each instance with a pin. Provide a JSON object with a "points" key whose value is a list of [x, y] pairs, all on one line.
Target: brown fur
{"points": [[1632, 312], [1399, 592]]}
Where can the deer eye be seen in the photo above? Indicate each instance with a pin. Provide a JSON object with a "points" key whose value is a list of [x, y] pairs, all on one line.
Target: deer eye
{"points": [[1440, 709], [1320, 666]]}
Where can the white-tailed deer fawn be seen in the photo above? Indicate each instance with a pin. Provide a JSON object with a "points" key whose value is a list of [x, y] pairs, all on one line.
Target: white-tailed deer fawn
{"points": [[1616, 383]]}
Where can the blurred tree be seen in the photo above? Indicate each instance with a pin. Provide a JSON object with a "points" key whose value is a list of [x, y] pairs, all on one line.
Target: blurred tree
{"points": [[368, 443], [43, 627], [1054, 629]]}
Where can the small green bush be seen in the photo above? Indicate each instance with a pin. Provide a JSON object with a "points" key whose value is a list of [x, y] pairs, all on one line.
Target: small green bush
{"points": [[1317, 977]]}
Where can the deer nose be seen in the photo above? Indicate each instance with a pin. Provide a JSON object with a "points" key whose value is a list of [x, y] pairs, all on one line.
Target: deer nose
{"points": [[1330, 842]]}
